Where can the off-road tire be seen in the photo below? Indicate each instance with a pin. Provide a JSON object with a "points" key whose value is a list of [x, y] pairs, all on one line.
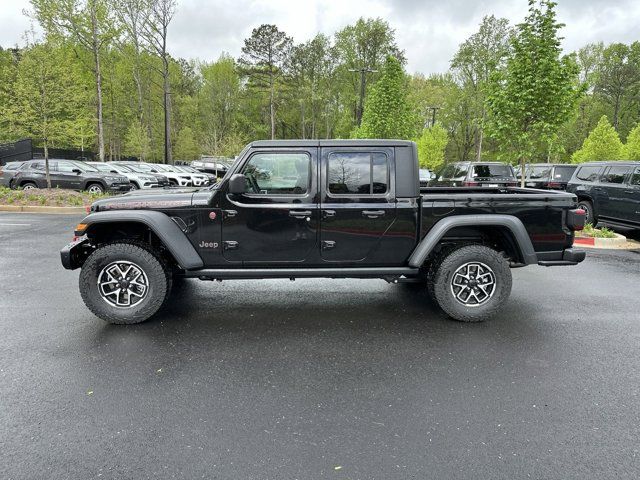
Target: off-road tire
{"points": [[150, 261], [587, 206], [442, 283]]}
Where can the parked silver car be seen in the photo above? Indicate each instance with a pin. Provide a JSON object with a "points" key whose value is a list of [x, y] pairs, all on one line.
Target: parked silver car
{"points": [[137, 180]]}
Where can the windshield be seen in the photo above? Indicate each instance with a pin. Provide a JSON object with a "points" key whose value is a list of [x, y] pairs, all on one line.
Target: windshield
{"points": [[140, 168], [104, 167], [492, 171]]}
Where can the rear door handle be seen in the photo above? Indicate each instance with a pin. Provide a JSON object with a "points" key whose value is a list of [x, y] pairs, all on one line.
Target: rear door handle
{"points": [[630, 191], [372, 213], [300, 213], [328, 213]]}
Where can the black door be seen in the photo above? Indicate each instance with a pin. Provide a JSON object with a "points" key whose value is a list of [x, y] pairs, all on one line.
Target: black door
{"points": [[611, 191], [276, 220], [631, 198], [357, 203]]}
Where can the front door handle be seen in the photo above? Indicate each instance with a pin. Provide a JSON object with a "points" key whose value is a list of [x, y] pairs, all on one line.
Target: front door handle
{"points": [[630, 191], [230, 213], [300, 213], [328, 213], [328, 244], [372, 213]]}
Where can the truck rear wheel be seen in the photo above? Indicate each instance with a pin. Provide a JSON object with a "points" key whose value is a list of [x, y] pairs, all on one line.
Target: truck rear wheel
{"points": [[124, 282], [471, 283]]}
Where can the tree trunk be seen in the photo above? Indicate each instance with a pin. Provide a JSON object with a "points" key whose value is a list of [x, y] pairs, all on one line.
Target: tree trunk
{"points": [[271, 108], [168, 158], [522, 172], [98, 73], [46, 162]]}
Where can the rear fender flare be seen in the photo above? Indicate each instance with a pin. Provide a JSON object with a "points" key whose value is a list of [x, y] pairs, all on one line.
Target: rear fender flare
{"points": [[440, 229], [166, 229]]}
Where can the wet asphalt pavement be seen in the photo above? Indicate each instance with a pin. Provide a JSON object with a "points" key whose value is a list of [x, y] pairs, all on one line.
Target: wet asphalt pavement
{"points": [[337, 379]]}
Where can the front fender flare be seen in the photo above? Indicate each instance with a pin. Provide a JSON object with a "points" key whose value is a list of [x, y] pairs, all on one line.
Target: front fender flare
{"points": [[167, 231], [440, 229]]}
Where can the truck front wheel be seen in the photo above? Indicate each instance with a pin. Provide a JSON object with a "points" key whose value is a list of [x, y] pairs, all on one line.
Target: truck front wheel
{"points": [[471, 283], [124, 282]]}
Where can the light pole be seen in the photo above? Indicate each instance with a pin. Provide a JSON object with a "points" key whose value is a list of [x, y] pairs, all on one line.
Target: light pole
{"points": [[363, 71], [433, 111]]}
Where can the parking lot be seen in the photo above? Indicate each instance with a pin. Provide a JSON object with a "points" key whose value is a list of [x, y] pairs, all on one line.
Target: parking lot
{"points": [[345, 379]]}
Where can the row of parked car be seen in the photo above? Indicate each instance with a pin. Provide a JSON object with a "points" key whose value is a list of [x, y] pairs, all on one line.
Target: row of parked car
{"points": [[609, 192], [495, 174], [99, 177]]}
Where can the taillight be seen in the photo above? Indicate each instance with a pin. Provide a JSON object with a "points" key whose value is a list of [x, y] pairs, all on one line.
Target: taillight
{"points": [[555, 185], [470, 184], [576, 219]]}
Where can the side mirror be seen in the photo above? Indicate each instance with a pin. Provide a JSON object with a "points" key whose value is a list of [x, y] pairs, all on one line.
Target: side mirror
{"points": [[238, 184], [113, 171], [76, 171], [432, 176]]}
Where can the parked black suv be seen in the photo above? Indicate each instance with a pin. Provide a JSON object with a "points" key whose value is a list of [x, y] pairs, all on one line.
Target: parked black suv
{"points": [[609, 192], [548, 176], [475, 174], [69, 174]]}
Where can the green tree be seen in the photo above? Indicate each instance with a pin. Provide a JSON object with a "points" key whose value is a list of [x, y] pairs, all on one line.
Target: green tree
{"points": [[618, 78], [137, 142], [480, 56], [186, 147], [388, 113], [218, 102], [431, 147], [632, 147], [538, 92], [263, 57], [603, 143], [88, 23], [45, 96]]}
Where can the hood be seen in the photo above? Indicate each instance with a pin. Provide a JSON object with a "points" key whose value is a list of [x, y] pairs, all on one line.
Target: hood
{"points": [[157, 199]]}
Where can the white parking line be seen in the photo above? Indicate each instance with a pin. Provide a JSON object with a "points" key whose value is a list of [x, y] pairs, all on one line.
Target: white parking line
{"points": [[15, 224]]}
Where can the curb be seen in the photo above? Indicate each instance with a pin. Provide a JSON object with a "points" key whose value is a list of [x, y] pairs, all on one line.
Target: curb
{"points": [[38, 209], [620, 241]]}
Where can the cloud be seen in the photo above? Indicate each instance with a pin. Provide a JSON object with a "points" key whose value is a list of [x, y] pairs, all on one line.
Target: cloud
{"points": [[429, 31]]}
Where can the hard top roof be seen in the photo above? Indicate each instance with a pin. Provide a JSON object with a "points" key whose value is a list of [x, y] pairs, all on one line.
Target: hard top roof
{"points": [[332, 143]]}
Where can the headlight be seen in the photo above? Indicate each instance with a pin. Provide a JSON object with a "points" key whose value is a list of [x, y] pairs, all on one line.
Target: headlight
{"points": [[148, 178], [113, 179]]}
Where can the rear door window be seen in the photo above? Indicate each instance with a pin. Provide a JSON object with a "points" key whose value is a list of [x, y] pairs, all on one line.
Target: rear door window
{"points": [[539, 173], [563, 174], [588, 174], [492, 171], [615, 174], [635, 177], [358, 173]]}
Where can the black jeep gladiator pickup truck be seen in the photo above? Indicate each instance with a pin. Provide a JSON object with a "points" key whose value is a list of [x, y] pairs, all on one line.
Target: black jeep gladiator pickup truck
{"points": [[327, 208]]}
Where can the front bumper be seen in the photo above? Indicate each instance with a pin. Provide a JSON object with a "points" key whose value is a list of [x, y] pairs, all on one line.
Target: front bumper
{"points": [[569, 256], [119, 187], [74, 254]]}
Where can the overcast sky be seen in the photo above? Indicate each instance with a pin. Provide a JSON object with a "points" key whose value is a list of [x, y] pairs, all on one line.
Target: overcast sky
{"points": [[428, 30]]}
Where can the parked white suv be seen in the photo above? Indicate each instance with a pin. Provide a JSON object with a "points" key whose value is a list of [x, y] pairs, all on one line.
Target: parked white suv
{"points": [[137, 180], [199, 179], [176, 177]]}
